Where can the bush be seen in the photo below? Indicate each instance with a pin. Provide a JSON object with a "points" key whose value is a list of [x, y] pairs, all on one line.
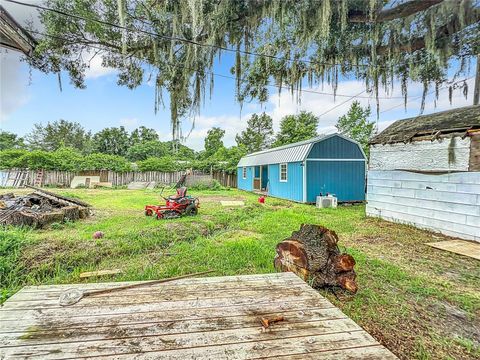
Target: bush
{"points": [[207, 185], [106, 162], [37, 159], [9, 158]]}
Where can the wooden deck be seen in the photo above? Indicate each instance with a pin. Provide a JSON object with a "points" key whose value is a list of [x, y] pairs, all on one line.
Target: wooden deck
{"points": [[207, 318]]}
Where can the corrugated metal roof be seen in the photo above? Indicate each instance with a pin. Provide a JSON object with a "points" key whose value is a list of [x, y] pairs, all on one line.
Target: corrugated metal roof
{"points": [[287, 153]]}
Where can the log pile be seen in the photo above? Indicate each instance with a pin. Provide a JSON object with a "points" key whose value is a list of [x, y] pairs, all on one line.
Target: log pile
{"points": [[39, 209], [313, 254]]}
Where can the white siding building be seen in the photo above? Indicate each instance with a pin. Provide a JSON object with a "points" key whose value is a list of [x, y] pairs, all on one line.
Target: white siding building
{"points": [[425, 171]]}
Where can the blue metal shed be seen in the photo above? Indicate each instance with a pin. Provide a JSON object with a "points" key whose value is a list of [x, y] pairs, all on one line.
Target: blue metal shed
{"points": [[332, 164]]}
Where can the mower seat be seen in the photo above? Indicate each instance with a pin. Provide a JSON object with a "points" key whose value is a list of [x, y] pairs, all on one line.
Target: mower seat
{"points": [[181, 193]]}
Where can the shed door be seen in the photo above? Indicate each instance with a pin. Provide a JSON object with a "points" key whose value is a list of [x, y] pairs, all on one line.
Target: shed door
{"points": [[257, 178]]}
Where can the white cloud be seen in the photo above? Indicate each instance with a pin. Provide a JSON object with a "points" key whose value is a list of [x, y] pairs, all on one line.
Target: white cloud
{"points": [[95, 68], [14, 85], [129, 123], [281, 105], [329, 110], [231, 124]]}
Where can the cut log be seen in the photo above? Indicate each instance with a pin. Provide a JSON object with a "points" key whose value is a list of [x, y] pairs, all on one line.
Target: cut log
{"points": [[313, 254]]}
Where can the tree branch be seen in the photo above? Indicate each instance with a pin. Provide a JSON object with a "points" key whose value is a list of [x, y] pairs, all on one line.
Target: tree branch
{"points": [[401, 11], [443, 32]]}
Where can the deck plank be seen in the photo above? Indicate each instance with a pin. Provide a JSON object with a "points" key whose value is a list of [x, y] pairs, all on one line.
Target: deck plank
{"points": [[209, 318]]}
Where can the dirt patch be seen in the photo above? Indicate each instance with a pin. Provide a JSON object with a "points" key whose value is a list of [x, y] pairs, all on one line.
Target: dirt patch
{"points": [[218, 198], [455, 322], [236, 234], [48, 252]]}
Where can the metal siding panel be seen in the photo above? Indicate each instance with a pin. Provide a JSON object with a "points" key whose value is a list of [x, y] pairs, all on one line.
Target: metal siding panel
{"points": [[345, 179], [245, 184], [290, 190], [335, 148]]}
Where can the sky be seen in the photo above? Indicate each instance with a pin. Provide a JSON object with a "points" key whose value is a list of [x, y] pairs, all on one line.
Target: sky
{"points": [[28, 96]]}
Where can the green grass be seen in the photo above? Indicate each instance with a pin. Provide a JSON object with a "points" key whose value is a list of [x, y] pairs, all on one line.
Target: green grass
{"points": [[420, 302]]}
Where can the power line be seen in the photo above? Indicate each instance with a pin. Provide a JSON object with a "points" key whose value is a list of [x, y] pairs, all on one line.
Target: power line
{"points": [[429, 93], [225, 76], [179, 39], [342, 103], [350, 97], [192, 42]]}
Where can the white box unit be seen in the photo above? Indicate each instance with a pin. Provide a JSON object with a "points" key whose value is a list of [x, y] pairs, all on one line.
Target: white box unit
{"points": [[328, 201]]}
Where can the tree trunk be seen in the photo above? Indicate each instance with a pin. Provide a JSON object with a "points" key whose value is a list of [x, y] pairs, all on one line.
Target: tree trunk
{"points": [[313, 254]]}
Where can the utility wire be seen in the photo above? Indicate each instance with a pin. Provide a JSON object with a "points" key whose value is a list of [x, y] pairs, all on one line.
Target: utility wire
{"points": [[222, 75], [428, 94], [192, 42], [176, 38], [342, 103]]}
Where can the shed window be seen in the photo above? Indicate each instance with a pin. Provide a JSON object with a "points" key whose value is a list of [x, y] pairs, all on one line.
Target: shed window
{"points": [[244, 172], [283, 172]]}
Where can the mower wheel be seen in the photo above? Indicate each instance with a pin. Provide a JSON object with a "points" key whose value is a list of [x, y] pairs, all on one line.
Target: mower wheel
{"points": [[148, 212], [191, 210]]}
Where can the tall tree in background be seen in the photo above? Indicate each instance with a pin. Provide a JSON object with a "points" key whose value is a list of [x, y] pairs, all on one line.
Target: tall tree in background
{"points": [[57, 134], [258, 134], [10, 141], [295, 128], [143, 134], [213, 141], [112, 141], [355, 125]]}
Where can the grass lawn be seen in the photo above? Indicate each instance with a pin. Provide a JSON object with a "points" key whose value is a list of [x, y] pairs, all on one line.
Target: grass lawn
{"points": [[418, 301]]}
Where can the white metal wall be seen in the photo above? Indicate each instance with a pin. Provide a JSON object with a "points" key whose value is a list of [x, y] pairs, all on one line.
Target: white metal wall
{"points": [[448, 203], [421, 155]]}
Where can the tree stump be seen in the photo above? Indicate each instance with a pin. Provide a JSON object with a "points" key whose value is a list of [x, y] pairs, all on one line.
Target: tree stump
{"points": [[313, 254]]}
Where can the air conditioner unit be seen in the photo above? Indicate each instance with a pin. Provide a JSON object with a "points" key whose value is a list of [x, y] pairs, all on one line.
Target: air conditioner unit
{"points": [[328, 201]]}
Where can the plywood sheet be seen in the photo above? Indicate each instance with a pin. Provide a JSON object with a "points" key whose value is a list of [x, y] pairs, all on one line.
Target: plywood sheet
{"points": [[466, 248], [209, 318]]}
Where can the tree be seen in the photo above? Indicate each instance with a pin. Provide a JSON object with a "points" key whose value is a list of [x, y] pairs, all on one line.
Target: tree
{"points": [[10, 141], [112, 141], [213, 141], [377, 41], [294, 128], [143, 134], [57, 134], [355, 125], [179, 151], [146, 149], [258, 135]]}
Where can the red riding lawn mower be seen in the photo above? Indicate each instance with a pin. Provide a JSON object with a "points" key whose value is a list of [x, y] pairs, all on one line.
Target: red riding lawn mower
{"points": [[175, 206]]}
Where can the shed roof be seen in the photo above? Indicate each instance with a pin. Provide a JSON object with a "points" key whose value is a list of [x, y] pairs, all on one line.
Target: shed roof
{"points": [[13, 35], [283, 154], [455, 120]]}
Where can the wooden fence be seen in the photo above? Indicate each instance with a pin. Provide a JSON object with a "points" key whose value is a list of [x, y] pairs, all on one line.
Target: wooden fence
{"points": [[228, 180], [64, 178]]}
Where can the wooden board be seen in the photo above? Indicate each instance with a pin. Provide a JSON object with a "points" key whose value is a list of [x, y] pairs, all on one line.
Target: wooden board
{"points": [[466, 248], [204, 318]]}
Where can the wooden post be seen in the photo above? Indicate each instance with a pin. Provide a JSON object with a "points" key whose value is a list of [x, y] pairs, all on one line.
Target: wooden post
{"points": [[476, 93]]}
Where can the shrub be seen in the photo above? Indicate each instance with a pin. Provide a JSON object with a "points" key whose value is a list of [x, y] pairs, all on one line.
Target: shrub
{"points": [[98, 161], [9, 158], [37, 159]]}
